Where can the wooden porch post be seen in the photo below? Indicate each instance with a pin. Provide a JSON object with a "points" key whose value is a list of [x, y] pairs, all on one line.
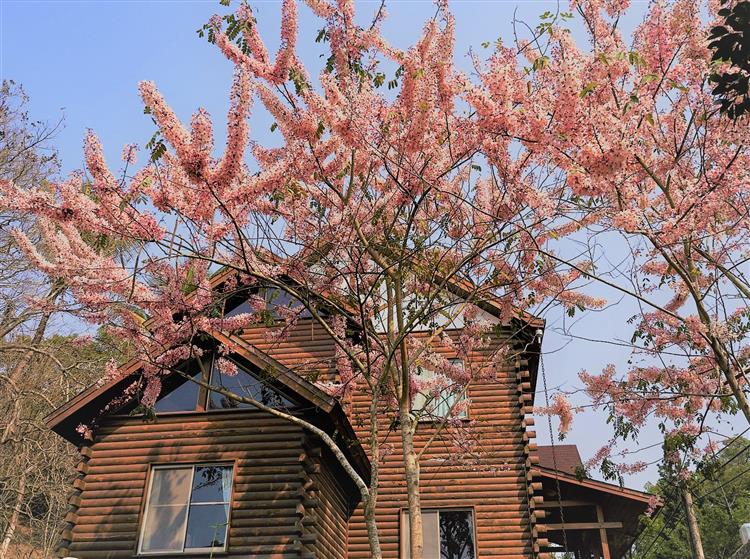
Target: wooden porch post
{"points": [[602, 532]]}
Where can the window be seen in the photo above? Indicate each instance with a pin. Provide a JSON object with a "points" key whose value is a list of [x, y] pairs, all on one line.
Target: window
{"points": [[243, 384], [187, 509], [183, 398], [448, 534], [180, 394], [274, 298], [432, 405]]}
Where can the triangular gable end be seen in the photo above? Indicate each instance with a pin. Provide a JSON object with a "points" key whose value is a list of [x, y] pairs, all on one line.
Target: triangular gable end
{"points": [[97, 400]]}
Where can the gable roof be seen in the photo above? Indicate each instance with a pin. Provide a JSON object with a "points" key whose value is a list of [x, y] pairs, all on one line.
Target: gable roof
{"points": [[561, 457], [566, 465], [564, 487], [89, 404], [600, 486]]}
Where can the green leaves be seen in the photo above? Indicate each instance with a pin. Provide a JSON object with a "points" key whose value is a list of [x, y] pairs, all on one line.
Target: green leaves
{"points": [[147, 414], [156, 146], [189, 285], [636, 59], [540, 62], [587, 89], [235, 29], [322, 36], [298, 80]]}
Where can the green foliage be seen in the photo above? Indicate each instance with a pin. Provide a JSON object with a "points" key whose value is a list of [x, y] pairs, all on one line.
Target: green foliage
{"points": [[156, 145], [234, 29], [721, 492]]}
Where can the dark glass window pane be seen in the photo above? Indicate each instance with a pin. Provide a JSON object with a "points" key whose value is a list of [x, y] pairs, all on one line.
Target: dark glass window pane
{"points": [[212, 484], [242, 308], [207, 526], [182, 398], [456, 535], [274, 298], [243, 384]]}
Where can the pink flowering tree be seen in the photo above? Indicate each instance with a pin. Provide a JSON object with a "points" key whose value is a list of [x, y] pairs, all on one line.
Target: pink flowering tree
{"points": [[378, 207], [650, 164]]}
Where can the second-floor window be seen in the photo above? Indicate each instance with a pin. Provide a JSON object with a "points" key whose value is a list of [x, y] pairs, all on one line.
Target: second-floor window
{"points": [[187, 509], [448, 534], [432, 403]]}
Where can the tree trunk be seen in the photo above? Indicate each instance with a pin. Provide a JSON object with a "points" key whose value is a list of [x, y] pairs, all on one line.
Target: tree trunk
{"points": [[369, 506], [410, 457], [372, 530], [15, 376], [371, 503], [692, 522], [411, 467], [10, 530]]}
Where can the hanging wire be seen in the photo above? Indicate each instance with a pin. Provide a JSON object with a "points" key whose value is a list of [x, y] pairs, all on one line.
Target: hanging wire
{"points": [[554, 457]]}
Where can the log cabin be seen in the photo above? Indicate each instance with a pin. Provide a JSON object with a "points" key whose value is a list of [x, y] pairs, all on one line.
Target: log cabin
{"points": [[204, 476]]}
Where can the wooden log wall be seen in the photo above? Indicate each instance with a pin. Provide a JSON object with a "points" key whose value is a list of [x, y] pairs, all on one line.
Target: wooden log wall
{"points": [[331, 513], [497, 481], [278, 484], [305, 348]]}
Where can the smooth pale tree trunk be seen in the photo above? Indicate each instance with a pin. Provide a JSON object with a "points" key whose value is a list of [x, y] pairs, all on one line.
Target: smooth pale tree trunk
{"points": [[410, 457], [370, 505], [372, 530], [692, 522], [15, 516], [411, 467]]}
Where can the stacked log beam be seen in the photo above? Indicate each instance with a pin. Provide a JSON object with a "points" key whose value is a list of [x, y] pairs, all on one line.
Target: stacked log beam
{"points": [[533, 478], [74, 502]]}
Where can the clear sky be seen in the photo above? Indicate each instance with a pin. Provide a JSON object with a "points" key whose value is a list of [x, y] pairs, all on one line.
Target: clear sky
{"points": [[83, 60]]}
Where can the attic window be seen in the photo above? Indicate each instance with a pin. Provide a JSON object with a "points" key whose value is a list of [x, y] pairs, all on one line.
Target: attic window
{"points": [[274, 298], [183, 398], [181, 395], [243, 384], [187, 510]]}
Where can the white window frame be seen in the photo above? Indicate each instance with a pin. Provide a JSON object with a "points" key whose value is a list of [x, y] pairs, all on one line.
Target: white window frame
{"points": [[404, 530], [188, 550], [427, 416]]}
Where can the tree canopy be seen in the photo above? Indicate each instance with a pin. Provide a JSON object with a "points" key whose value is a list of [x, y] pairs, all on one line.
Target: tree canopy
{"points": [[402, 195]]}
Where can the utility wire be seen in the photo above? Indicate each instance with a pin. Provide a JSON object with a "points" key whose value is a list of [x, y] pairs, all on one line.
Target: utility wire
{"points": [[700, 483], [700, 499]]}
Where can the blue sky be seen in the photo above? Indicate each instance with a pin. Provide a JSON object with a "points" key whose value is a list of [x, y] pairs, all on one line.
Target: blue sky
{"points": [[83, 60]]}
